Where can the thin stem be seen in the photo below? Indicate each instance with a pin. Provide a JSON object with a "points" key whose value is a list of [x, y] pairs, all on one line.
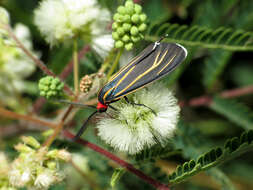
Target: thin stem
{"points": [[119, 161], [206, 100], [107, 61], [13, 115], [76, 70], [38, 62], [58, 129], [115, 64], [69, 67]]}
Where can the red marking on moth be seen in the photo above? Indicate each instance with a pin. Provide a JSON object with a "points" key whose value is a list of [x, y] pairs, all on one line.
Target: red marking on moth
{"points": [[101, 106]]}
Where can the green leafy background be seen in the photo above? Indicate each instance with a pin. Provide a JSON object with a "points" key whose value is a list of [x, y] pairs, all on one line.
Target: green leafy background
{"points": [[212, 146]]}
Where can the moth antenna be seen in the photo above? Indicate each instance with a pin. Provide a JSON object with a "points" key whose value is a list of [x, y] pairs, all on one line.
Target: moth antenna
{"points": [[165, 36], [84, 127], [76, 104]]}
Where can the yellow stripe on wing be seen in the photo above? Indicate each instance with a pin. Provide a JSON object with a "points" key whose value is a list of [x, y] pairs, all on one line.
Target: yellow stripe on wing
{"points": [[167, 64], [156, 64], [123, 69]]}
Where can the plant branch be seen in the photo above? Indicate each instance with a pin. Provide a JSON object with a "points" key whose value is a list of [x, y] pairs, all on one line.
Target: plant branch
{"points": [[119, 161], [76, 70], [59, 128], [69, 67], [38, 62], [207, 100], [13, 115]]}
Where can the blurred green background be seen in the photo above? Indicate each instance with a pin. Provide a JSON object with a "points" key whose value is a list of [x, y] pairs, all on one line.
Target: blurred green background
{"points": [[206, 72]]}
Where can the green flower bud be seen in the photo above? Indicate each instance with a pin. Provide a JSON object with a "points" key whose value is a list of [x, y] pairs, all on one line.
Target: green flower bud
{"points": [[64, 155], [126, 38], [134, 31], [52, 153], [130, 10], [22, 148], [50, 87], [143, 17], [129, 4], [115, 25], [129, 46], [121, 10], [126, 27], [42, 93], [135, 38], [120, 31], [31, 141], [46, 88], [115, 35], [127, 18], [49, 94], [137, 8], [119, 44], [56, 81], [60, 86], [48, 133], [116, 16], [142, 27], [135, 18], [51, 165]]}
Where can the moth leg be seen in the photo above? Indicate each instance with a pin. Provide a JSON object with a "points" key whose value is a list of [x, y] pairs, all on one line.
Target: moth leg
{"points": [[84, 127], [115, 109], [134, 104], [110, 115]]}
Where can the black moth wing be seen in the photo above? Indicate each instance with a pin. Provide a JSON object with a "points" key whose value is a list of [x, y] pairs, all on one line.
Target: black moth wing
{"points": [[150, 65]]}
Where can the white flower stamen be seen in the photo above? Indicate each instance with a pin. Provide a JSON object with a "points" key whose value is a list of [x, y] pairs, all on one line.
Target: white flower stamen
{"points": [[137, 127]]}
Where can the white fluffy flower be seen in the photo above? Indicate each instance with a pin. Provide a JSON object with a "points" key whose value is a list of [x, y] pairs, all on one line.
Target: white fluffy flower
{"points": [[4, 19], [15, 66], [102, 44], [18, 178], [61, 20], [135, 128], [44, 180]]}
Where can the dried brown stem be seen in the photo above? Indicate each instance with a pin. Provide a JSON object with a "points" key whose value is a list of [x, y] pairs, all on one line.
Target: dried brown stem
{"points": [[13, 115]]}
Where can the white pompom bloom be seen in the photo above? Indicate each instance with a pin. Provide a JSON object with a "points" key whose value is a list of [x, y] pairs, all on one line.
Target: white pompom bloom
{"points": [[15, 65], [135, 128], [45, 179], [62, 20], [102, 44], [4, 19]]}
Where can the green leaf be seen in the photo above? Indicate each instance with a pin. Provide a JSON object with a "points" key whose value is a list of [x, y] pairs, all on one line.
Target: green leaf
{"points": [[117, 174], [234, 111], [225, 38], [155, 152], [214, 66], [233, 147]]}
